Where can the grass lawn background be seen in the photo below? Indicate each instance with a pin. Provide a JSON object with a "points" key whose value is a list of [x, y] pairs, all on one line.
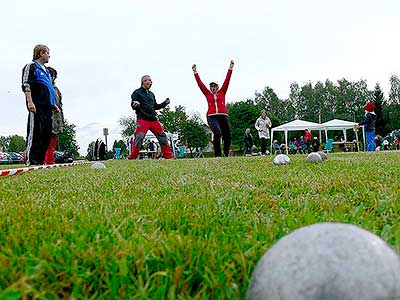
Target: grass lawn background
{"points": [[177, 229]]}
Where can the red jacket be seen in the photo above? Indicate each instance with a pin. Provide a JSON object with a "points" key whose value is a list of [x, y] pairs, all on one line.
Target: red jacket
{"points": [[216, 103], [307, 136]]}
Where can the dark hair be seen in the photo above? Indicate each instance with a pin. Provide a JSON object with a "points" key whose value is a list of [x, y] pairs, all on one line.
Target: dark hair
{"points": [[52, 71]]}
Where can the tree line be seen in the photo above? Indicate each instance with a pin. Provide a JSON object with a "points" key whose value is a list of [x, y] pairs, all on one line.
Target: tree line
{"points": [[66, 141]]}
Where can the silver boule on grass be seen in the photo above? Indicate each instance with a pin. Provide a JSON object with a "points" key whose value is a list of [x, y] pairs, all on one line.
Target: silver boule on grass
{"points": [[327, 261], [323, 155], [314, 157], [281, 159], [98, 165]]}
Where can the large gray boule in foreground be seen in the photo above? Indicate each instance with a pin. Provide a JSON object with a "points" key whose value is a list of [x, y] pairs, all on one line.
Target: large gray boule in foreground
{"points": [[323, 155], [327, 261], [281, 159], [98, 165], [314, 157]]}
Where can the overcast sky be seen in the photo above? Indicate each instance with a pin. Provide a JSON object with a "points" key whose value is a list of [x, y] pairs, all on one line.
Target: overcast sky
{"points": [[102, 48]]}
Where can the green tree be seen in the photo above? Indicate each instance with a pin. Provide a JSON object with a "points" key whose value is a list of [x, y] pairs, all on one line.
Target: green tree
{"points": [[391, 113], [66, 140], [281, 109], [242, 115], [296, 100], [89, 155], [394, 94], [194, 133], [173, 120], [120, 144], [311, 106], [379, 99], [17, 143], [128, 125], [4, 142]]}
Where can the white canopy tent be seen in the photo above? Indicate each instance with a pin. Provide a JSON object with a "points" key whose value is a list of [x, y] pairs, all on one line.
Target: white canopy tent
{"points": [[343, 125], [296, 125]]}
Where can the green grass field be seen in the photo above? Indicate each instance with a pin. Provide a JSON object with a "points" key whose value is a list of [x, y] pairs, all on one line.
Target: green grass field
{"points": [[178, 229]]}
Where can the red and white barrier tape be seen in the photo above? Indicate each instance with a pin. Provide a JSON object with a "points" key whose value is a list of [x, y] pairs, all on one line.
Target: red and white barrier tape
{"points": [[10, 172]]}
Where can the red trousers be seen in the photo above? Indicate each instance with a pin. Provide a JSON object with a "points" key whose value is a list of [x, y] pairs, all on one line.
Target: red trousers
{"points": [[156, 128], [49, 157]]}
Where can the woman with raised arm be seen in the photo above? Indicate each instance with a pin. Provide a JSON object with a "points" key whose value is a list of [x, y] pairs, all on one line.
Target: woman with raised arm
{"points": [[217, 115]]}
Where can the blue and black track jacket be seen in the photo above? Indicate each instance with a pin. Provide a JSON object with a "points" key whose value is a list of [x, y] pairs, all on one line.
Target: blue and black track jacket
{"points": [[37, 80]]}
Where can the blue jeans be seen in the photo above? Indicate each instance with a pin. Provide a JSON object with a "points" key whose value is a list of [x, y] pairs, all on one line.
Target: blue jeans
{"points": [[371, 140]]}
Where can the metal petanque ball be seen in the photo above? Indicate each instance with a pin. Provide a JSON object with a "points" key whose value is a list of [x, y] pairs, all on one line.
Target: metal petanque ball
{"points": [[281, 159], [327, 261], [323, 155], [98, 165], [314, 157]]}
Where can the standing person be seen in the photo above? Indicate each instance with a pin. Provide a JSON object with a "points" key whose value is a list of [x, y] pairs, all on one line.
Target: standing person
{"points": [[40, 102], [262, 125], [145, 104], [248, 142], [369, 123], [217, 115], [315, 144], [58, 120], [307, 139]]}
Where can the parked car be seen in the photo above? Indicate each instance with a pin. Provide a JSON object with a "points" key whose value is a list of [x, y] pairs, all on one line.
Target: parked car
{"points": [[16, 158], [5, 159], [62, 157]]}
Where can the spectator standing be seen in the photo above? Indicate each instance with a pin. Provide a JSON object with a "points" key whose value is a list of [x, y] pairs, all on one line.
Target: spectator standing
{"points": [[248, 142], [57, 120], [40, 102], [307, 139], [369, 123], [262, 125]]}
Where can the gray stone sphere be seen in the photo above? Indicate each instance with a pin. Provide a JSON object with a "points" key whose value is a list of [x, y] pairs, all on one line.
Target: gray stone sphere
{"points": [[327, 261], [281, 159], [98, 165], [323, 155], [314, 157]]}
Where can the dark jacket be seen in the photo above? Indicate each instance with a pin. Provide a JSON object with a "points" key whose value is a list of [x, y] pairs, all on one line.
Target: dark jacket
{"points": [[148, 104], [315, 145], [58, 117], [369, 121], [37, 80], [248, 141]]}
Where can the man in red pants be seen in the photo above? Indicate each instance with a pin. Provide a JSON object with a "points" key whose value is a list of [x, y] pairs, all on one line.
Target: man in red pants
{"points": [[145, 105]]}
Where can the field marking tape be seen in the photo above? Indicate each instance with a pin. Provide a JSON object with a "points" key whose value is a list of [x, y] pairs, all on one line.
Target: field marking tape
{"points": [[9, 172]]}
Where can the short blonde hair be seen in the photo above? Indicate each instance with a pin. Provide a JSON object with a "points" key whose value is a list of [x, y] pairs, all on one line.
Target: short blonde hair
{"points": [[37, 51]]}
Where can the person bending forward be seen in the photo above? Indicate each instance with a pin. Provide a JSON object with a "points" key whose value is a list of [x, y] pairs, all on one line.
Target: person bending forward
{"points": [[145, 105]]}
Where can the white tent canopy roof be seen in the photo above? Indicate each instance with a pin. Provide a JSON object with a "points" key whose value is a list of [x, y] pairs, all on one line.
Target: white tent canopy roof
{"points": [[299, 125], [337, 124]]}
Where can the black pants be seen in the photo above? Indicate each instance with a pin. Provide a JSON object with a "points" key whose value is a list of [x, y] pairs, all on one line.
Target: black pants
{"points": [[38, 135], [219, 125], [263, 145]]}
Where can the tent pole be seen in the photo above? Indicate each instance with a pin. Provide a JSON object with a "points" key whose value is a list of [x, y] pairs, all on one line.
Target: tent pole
{"points": [[365, 146], [272, 139], [286, 136], [358, 144]]}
